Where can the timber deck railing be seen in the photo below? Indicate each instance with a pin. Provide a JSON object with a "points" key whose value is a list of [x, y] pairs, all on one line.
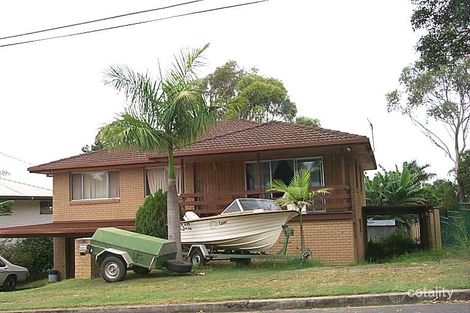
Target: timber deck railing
{"points": [[210, 203]]}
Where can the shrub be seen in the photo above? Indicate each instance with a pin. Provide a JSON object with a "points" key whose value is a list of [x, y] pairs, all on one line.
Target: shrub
{"points": [[394, 245], [36, 254], [151, 216]]}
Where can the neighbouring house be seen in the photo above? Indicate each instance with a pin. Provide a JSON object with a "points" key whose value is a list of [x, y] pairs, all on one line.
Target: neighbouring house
{"points": [[235, 159], [32, 204]]}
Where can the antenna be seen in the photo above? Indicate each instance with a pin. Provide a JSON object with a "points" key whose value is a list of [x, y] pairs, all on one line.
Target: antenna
{"points": [[372, 132]]}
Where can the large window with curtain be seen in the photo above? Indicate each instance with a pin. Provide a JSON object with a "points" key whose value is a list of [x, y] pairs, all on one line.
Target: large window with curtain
{"points": [[157, 178], [95, 185], [260, 174]]}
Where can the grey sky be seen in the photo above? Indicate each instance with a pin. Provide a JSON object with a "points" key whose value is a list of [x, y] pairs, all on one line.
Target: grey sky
{"points": [[336, 58]]}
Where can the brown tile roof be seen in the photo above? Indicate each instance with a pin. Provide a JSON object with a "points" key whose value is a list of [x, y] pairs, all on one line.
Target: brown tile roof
{"points": [[94, 159], [81, 228], [270, 136], [225, 137]]}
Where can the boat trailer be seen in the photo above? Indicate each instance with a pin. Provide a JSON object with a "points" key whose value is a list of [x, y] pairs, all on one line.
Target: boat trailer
{"points": [[200, 254]]}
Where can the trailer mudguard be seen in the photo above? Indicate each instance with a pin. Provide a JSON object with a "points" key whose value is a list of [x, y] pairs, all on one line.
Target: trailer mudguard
{"points": [[125, 256]]}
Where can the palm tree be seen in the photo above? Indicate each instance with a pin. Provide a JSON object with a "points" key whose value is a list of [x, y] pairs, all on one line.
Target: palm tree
{"points": [[297, 193], [162, 115]]}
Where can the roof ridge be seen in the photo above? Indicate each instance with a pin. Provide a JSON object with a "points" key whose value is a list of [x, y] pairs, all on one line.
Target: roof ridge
{"points": [[316, 127], [256, 124]]}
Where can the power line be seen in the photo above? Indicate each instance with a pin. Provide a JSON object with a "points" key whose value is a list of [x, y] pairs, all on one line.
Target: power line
{"points": [[134, 24], [21, 183], [100, 19], [15, 158]]}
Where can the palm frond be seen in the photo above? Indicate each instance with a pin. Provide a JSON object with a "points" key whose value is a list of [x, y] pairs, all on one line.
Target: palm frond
{"points": [[129, 132], [142, 92]]}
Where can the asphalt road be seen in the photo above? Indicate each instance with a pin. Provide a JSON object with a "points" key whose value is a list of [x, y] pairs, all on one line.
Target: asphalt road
{"points": [[460, 307]]}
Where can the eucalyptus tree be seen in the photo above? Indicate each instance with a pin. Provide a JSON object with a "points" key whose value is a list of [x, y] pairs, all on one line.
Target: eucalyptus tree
{"points": [[162, 115], [437, 101]]}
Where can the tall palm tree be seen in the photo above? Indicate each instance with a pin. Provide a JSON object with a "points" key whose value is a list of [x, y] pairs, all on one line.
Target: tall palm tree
{"points": [[162, 115], [298, 193]]}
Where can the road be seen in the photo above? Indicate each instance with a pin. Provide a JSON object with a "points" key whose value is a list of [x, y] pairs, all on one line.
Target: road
{"points": [[459, 307]]}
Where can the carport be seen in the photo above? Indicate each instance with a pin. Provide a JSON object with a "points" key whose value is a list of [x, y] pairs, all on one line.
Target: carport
{"points": [[64, 235], [428, 217]]}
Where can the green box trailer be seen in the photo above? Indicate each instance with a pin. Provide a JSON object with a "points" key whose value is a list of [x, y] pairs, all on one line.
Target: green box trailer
{"points": [[118, 250]]}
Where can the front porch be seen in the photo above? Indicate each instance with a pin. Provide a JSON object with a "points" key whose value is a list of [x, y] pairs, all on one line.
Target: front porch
{"points": [[335, 203]]}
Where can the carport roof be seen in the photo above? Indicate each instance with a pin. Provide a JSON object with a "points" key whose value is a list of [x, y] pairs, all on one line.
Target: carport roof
{"points": [[61, 229], [396, 209]]}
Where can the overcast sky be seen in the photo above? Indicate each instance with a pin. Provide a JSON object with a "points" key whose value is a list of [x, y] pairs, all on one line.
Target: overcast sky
{"points": [[336, 58]]}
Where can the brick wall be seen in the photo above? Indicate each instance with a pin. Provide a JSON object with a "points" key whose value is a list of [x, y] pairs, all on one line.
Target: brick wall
{"points": [[131, 197], [331, 242], [59, 255], [85, 267]]}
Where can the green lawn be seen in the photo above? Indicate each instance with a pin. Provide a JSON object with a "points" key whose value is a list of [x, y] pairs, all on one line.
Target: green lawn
{"points": [[223, 281]]}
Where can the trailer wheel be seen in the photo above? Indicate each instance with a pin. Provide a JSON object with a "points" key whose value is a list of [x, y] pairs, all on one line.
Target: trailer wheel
{"points": [[178, 267], [140, 270], [197, 258], [113, 269]]}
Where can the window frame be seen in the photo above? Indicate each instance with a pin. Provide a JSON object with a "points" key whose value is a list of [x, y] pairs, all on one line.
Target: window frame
{"points": [[322, 178], [82, 185], [42, 210]]}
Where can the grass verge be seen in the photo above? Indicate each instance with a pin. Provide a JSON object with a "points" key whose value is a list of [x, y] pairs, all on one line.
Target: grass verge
{"points": [[218, 282]]}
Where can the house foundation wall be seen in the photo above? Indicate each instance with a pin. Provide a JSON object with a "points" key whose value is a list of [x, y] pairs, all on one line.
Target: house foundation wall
{"points": [[330, 242]]}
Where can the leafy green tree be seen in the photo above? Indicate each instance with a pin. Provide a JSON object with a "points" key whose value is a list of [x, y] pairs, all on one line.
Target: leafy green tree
{"points": [[397, 188], [447, 31], [221, 86], [96, 146], [297, 193], [465, 173], [304, 120], [437, 101], [420, 171], [163, 115], [36, 254], [151, 216], [238, 93]]}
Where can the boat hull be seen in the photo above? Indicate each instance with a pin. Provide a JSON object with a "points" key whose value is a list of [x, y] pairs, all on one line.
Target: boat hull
{"points": [[248, 231]]}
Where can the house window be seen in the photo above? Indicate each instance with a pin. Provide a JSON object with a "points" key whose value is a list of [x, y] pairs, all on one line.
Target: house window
{"points": [[45, 207], [157, 178], [95, 185], [260, 174]]}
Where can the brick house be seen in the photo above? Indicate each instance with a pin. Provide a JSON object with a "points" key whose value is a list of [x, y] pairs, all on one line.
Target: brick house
{"points": [[235, 159]]}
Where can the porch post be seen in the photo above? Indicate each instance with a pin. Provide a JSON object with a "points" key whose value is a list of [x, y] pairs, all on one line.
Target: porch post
{"points": [[343, 168], [182, 177]]}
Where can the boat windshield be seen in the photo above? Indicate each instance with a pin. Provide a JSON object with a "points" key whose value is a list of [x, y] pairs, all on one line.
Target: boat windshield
{"points": [[259, 204]]}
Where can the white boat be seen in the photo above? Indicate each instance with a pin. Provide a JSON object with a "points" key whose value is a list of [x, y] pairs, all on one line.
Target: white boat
{"points": [[247, 224]]}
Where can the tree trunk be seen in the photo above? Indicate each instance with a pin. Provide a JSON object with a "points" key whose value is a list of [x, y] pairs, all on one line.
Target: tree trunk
{"points": [[460, 188], [173, 215], [173, 211]]}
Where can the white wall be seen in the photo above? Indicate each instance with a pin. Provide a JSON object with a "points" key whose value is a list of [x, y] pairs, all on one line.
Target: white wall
{"points": [[25, 212]]}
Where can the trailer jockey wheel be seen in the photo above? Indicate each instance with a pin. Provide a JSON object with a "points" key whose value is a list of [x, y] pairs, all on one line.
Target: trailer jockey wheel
{"points": [[197, 258]]}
